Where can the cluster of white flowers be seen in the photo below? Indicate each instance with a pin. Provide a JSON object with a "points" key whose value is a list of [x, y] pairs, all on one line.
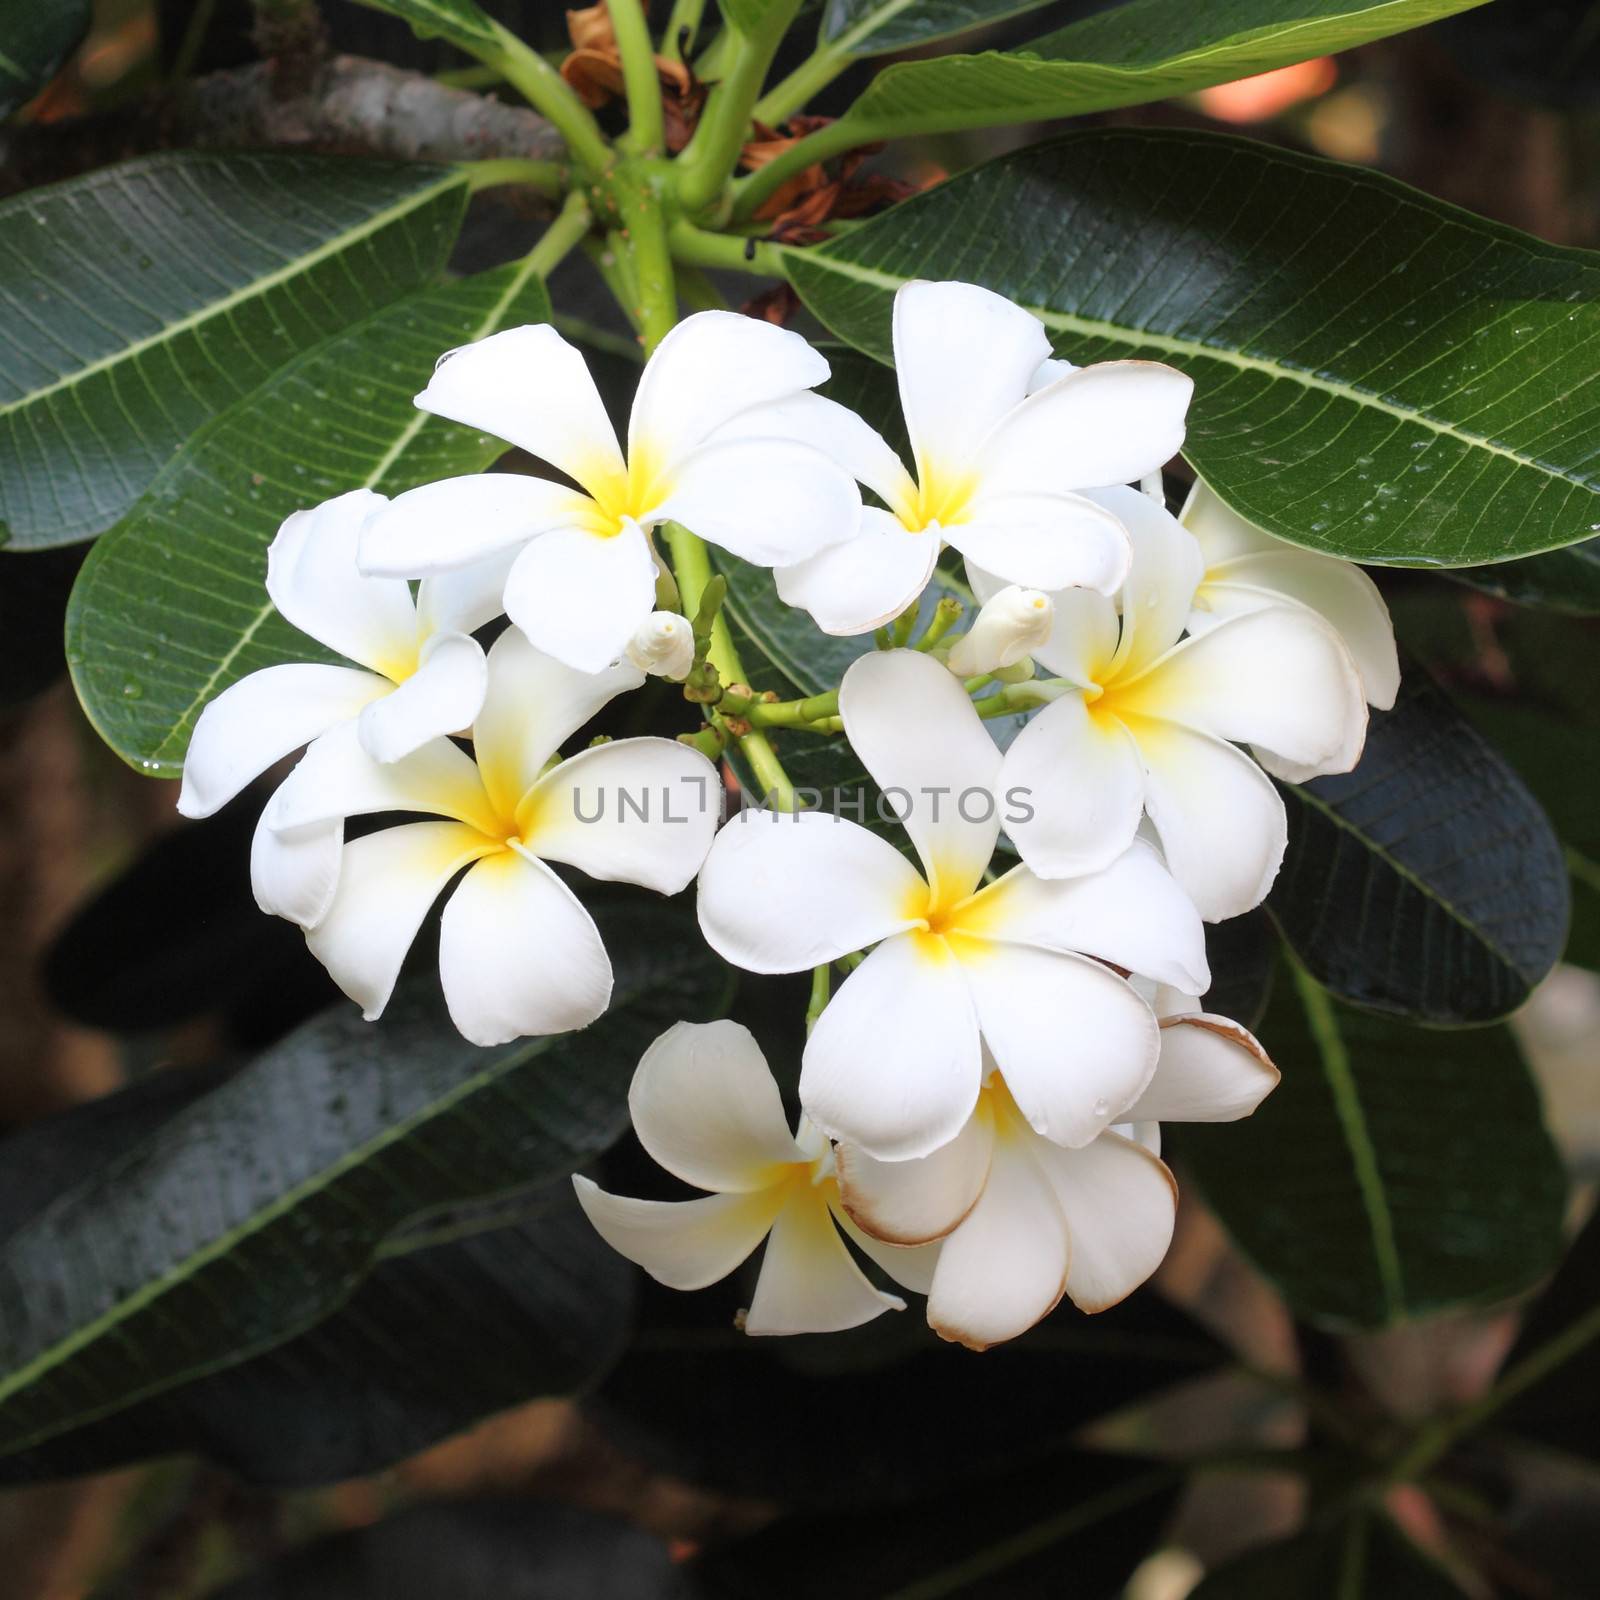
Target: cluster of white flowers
{"points": [[981, 1097]]}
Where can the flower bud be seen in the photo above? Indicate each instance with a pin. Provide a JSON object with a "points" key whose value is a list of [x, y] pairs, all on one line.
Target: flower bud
{"points": [[664, 645], [1012, 625]]}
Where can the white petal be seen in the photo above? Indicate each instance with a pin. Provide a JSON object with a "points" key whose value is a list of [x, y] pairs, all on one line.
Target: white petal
{"points": [[963, 356], [533, 704], [809, 1282], [1279, 678], [337, 778], [1047, 373], [1047, 541], [782, 892], [685, 1244], [469, 522], [387, 882], [1108, 423], [636, 811], [1222, 533], [579, 596], [1211, 1070], [518, 954], [1120, 1203], [893, 1063], [1005, 1268], [1132, 914], [1338, 591], [840, 435], [861, 583], [705, 1105], [261, 719], [1083, 632], [710, 368], [913, 1202], [441, 697], [769, 501], [295, 874], [1222, 825], [1075, 1042], [941, 786], [531, 388], [465, 598], [911, 1266], [313, 580], [1073, 790], [1167, 568]]}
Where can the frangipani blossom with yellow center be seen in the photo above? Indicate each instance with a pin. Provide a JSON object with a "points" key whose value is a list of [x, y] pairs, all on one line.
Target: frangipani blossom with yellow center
{"points": [[894, 1063], [1246, 569], [1025, 1222], [420, 675], [517, 953], [1151, 722], [999, 472], [585, 577], [705, 1107]]}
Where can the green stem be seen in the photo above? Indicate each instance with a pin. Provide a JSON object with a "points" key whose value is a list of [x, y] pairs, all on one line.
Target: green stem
{"points": [[581, 331], [548, 177], [646, 126], [705, 167], [548, 93], [809, 79], [945, 616], [793, 713], [563, 235], [614, 267], [833, 140], [682, 26], [699, 247], [479, 77], [821, 983], [699, 293], [645, 230]]}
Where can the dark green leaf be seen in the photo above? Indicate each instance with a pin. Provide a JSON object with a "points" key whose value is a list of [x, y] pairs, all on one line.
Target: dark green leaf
{"points": [[1075, 1524], [140, 301], [886, 1412], [459, 21], [1428, 882], [171, 607], [1124, 56], [36, 36], [872, 27], [1393, 1172], [1365, 1556], [1378, 375], [1241, 954], [457, 1320], [514, 1549], [249, 1216]]}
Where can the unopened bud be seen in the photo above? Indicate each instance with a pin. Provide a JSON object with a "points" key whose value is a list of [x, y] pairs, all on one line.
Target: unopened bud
{"points": [[663, 644], [1011, 626]]}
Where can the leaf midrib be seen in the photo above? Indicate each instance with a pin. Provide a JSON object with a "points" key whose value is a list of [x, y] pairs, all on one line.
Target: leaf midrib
{"points": [[1170, 344], [257, 286]]}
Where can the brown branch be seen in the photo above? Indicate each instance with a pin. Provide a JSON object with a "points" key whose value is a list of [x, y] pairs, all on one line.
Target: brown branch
{"points": [[352, 107]]}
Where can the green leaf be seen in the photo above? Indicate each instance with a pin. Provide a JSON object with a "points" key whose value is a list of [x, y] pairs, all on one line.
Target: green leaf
{"points": [[1560, 580], [171, 608], [35, 38], [1378, 375], [251, 1215], [872, 27], [1124, 56], [140, 301], [1427, 883], [1394, 1171], [1364, 1555], [1083, 1513], [459, 21]]}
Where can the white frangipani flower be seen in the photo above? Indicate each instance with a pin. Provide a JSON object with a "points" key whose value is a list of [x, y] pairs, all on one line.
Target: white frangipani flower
{"points": [[1153, 724], [585, 577], [517, 953], [1009, 628], [894, 1063], [1246, 569], [1023, 1221], [705, 1107], [999, 472], [663, 644], [420, 675]]}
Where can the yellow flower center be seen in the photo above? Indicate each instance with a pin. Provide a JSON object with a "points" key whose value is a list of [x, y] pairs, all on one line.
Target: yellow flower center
{"points": [[625, 497], [942, 498]]}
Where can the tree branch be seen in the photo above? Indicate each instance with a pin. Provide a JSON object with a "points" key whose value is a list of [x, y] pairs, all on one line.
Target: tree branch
{"points": [[352, 107]]}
